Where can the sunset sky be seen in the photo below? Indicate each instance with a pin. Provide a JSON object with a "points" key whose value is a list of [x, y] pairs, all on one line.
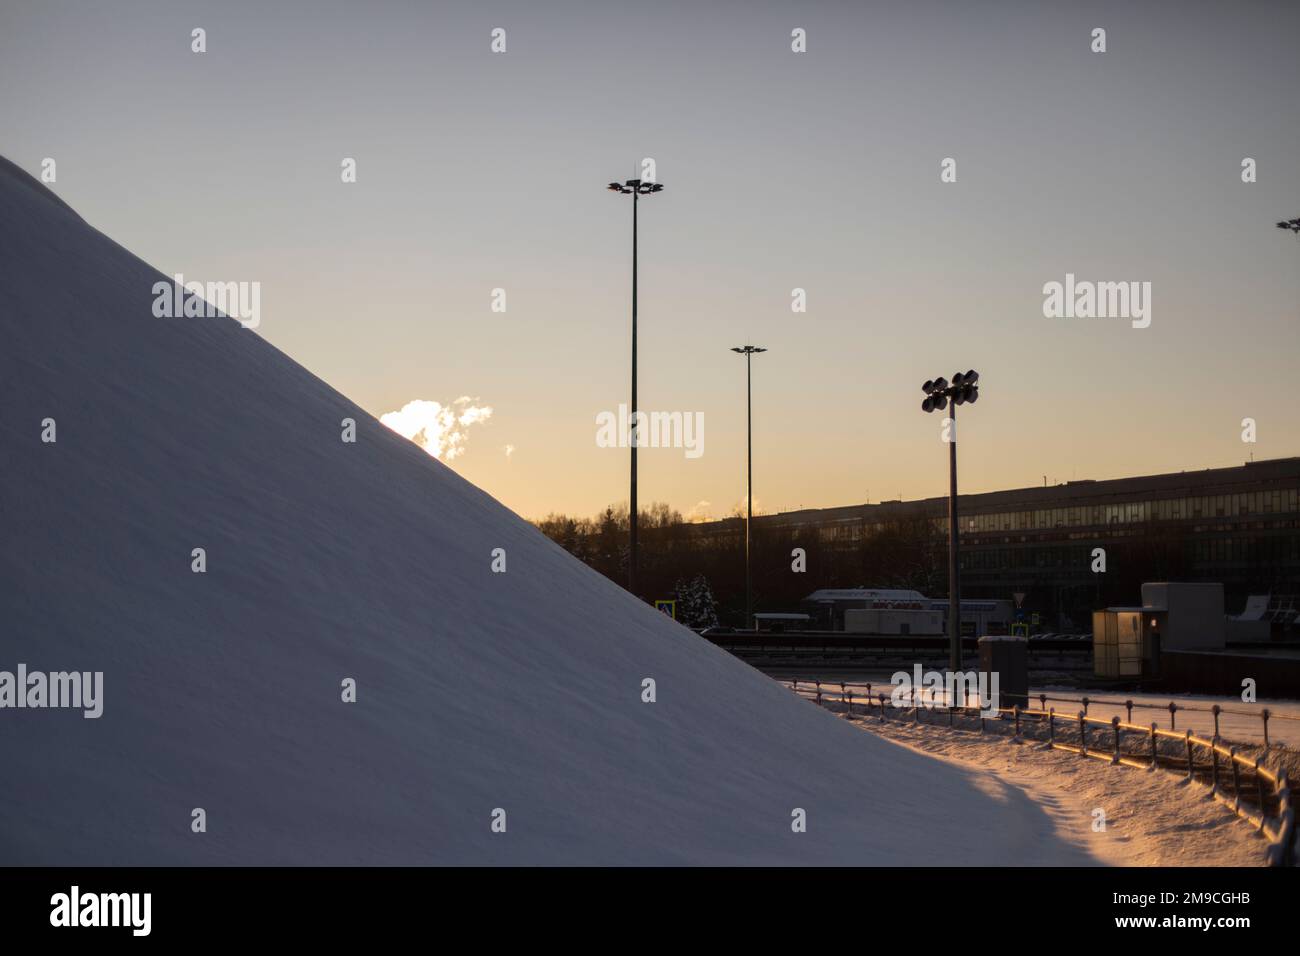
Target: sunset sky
{"points": [[817, 170]]}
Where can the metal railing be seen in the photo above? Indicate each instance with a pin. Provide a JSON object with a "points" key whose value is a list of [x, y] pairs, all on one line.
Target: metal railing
{"points": [[1173, 708], [1260, 796]]}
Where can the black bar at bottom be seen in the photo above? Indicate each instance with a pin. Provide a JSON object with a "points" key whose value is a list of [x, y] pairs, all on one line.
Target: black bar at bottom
{"points": [[534, 906]]}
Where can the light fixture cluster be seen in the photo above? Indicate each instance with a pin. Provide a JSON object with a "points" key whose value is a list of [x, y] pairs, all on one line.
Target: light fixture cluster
{"points": [[635, 186], [961, 391]]}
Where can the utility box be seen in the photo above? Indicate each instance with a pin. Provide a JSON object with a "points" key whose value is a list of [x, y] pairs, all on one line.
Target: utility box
{"points": [[1189, 616], [1008, 657], [1174, 616], [1123, 645]]}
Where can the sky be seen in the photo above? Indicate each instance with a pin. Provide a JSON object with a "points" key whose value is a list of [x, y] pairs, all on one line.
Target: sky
{"points": [[820, 170]]}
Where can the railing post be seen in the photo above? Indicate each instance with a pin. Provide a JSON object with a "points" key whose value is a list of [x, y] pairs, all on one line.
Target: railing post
{"points": [[1259, 792], [1190, 764], [882, 708], [794, 686], [1051, 726], [1083, 735], [1236, 778], [1265, 714], [1128, 704], [850, 703], [1215, 711], [1214, 765], [1085, 703], [1114, 723], [1042, 702], [1016, 709], [1153, 745], [1287, 815], [1282, 852], [819, 693], [1173, 709]]}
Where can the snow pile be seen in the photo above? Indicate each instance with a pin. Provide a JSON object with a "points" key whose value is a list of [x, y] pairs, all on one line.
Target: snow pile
{"points": [[328, 560]]}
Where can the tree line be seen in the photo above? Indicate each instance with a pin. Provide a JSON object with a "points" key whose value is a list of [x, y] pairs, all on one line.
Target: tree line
{"points": [[702, 565]]}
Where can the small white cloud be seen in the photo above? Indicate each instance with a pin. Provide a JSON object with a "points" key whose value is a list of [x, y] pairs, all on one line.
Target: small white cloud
{"points": [[699, 512], [439, 429]]}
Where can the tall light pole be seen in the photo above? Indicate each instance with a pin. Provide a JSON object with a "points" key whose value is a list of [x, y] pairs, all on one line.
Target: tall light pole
{"points": [[748, 351], [636, 188], [938, 393]]}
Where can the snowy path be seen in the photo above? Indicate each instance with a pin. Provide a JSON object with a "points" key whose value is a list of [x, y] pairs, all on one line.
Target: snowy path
{"points": [[1151, 819]]}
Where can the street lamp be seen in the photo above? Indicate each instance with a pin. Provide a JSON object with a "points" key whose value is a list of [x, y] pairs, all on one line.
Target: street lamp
{"points": [[636, 188], [938, 393], [748, 351], [1292, 224]]}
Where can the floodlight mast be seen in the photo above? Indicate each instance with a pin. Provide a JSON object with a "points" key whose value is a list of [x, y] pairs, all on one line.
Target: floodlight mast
{"points": [[636, 188], [749, 351], [939, 393]]}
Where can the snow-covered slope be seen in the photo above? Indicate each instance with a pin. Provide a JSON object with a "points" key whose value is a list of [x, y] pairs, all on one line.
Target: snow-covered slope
{"points": [[328, 560]]}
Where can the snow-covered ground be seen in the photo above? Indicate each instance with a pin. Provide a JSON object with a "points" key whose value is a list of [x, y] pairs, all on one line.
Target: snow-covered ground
{"points": [[1150, 819], [327, 561]]}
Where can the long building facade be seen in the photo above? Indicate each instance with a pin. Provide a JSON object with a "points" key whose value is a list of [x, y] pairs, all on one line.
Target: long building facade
{"points": [[1076, 546]]}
